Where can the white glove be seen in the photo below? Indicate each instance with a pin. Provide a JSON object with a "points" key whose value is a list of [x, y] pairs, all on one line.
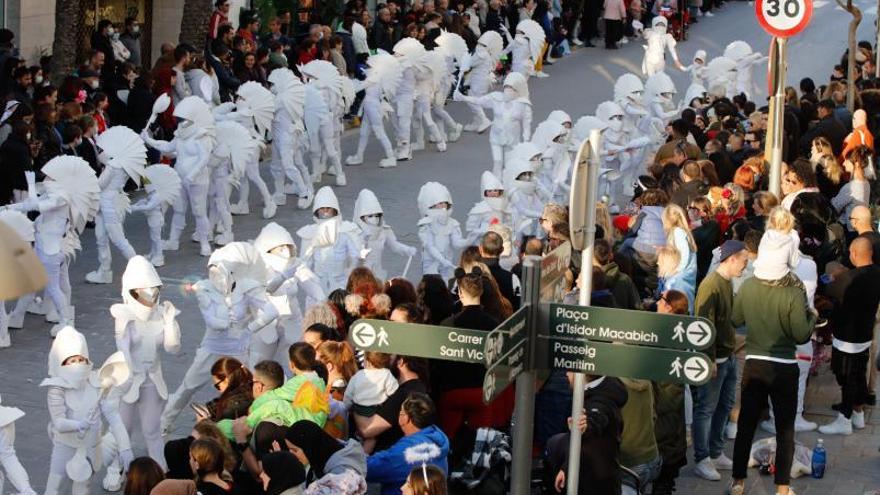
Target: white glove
{"points": [[125, 457], [412, 251], [364, 252], [82, 426]]}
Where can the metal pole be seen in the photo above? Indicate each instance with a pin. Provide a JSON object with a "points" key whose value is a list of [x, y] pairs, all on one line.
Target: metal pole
{"points": [[586, 285], [524, 408], [773, 147]]}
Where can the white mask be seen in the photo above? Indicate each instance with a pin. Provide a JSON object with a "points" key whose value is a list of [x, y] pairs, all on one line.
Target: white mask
{"points": [[38, 80], [440, 215], [277, 262], [374, 221], [520, 38], [135, 29], [527, 187], [498, 203], [148, 294], [615, 124], [218, 279], [76, 374], [509, 94], [94, 84]]}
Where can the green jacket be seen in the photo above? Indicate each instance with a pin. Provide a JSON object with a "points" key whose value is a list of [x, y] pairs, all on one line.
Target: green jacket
{"points": [[626, 296], [669, 428], [776, 318], [267, 407], [307, 395], [715, 303], [637, 444]]}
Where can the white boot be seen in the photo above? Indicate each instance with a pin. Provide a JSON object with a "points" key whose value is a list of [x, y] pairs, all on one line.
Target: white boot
{"points": [[840, 426], [280, 196], [304, 202], [36, 306], [418, 146], [404, 151], [722, 463], [441, 146], [172, 244], [158, 260], [100, 276], [858, 420], [354, 160], [269, 209], [224, 238], [239, 208], [482, 126], [52, 315], [454, 133], [67, 319], [388, 162], [340, 179]]}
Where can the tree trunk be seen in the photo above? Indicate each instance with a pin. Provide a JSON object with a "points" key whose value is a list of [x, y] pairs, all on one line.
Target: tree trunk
{"points": [[68, 21], [194, 24], [851, 60]]}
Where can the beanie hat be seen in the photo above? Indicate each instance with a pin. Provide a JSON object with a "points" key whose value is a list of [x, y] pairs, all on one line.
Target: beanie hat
{"points": [[777, 254], [729, 248]]}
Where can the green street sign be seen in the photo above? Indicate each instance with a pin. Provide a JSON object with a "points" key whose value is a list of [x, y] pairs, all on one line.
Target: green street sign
{"points": [[504, 372], [506, 336], [629, 327], [427, 341], [631, 361]]}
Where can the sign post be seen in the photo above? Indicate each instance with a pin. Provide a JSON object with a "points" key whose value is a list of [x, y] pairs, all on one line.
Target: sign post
{"points": [[781, 19], [582, 214]]}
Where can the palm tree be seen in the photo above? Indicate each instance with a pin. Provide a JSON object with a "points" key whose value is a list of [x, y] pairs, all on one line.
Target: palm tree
{"points": [[851, 60], [69, 18], [194, 24]]}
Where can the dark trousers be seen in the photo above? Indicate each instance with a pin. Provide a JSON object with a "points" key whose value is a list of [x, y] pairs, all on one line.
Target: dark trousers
{"points": [[590, 20], [851, 371], [779, 381], [613, 30]]}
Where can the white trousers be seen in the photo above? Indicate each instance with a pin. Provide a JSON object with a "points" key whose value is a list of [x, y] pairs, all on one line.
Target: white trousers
{"points": [[403, 126], [9, 460], [322, 143], [219, 192], [196, 197], [423, 120], [372, 121], [58, 285], [156, 220], [253, 175], [287, 162], [59, 483], [479, 87], [108, 229], [288, 331]]}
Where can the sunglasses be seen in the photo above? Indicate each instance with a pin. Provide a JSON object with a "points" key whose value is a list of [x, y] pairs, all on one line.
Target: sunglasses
{"points": [[218, 382]]}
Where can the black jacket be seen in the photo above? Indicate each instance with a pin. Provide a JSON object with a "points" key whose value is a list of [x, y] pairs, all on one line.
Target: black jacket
{"points": [[384, 36], [450, 375], [688, 191], [15, 154], [831, 129], [504, 279]]}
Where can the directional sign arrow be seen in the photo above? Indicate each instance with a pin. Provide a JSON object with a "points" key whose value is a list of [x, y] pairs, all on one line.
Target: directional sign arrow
{"points": [[699, 334], [696, 369]]}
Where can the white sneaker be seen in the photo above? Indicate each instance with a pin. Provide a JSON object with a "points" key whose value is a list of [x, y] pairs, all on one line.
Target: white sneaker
{"points": [[205, 249], [710, 14], [279, 198], [340, 180], [269, 210], [722, 463], [157, 261], [418, 146], [239, 209], [577, 42], [858, 420], [454, 133], [354, 160], [224, 238], [730, 431], [541, 74], [100, 276], [388, 162], [304, 202], [706, 470], [801, 424], [769, 426], [112, 481], [624, 40], [840, 426], [170, 245]]}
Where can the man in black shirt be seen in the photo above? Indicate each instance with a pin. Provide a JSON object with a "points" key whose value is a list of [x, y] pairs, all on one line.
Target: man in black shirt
{"points": [[412, 374], [491, 247]]}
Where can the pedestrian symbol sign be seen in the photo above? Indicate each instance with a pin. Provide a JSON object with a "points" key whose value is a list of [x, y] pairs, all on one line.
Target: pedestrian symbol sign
{"points": [[427, 341], [364, 334]]}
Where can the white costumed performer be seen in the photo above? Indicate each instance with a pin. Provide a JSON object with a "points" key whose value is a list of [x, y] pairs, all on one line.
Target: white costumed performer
{"points": [[745, 59], [235, 152], [375, 234], [526, 47], [659, 94], [439, 232], [454, 50], [384, 73], [619, 150], [659, 41], [15, 472], [288, 134], [525, 203], [324, 95], [329, 246], [162, 185], [480, 75], [409, 51], [491, 210]]}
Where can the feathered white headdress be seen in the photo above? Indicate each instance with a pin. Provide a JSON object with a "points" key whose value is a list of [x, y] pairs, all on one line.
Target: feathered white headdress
{"points": [[258, 103], [164, 182], [74, 181], [435, 63], [122, 148], [384, 69], [324, 75], [451, 45], [241, 261], [20, 223], [535, 34], [421, 454], [410, 50], [290, 93], [238, 145], [493, 43]]}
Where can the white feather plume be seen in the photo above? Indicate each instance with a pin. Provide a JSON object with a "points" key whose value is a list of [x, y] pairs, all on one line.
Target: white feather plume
{"points": [[122, 148], [257, 102], [164, 182], [238, 145], [535, 34], [74, 181], [452, 45], [421, 453], [384, 68]]}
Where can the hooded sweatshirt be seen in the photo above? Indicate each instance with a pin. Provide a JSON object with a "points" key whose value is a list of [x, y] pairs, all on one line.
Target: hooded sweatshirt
{"points": [[782, 322], [390, 468], [777, 254], [637, 444], [650, 234]]}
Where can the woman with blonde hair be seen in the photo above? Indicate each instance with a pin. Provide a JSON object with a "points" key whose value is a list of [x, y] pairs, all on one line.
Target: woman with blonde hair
{"points": [[339, 360], [603, 219], [671, 277], [829, 173], [553, 213], [762, 203], [679, 237], [731, 207]]}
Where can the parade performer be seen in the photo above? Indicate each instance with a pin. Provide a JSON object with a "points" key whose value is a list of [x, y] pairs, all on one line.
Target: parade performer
{"points": [[384, 73], [287, 276], [78, 398], [236, 150], [324, 94], [659, 94], [375, 234], [124, 156], [162, 186], [408, 51], [526, 47], [511, 116], [288, 132], [329, 246], [254, 108], [721, 75], [429, 72], [745, 59], [234, 306], [15, 472], [69, 200], [550, 138], [439, 232], [24, 228], [697, 69], [629, 95], [454, 50], [525, 204], [192, 145], [480, 75], [618, 149], [659, 41], [491, 210], [143, 326]]}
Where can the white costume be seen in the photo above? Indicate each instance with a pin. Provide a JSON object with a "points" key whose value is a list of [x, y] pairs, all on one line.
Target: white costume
{"points": [[629, 95], [552, 176], [324, 97], [78, 397], [15, 472], [526, 47], [409, 51], [234, 306], [193, 143], [525, 204], [287, 275], [254, 108], [480, 73], [439, 232], [234, 154], [659, 94], [511, 116], [721, 75], [375, 234], [143, 326], [618, 151], [123, 155], [745, 59], [659, 41], [329, 246], [288, 133], [429, 71], [695, 97], [24, 228], [454, 49], [70, 198], [384, 73], [697, 69], [163, 189], [488, 211]]}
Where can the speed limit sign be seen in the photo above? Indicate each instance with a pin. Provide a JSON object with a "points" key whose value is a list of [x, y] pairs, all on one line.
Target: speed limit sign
{"points": [[784, 18]]}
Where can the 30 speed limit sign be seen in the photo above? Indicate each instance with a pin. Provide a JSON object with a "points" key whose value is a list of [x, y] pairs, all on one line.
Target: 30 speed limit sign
{"points": [[784, 18]]}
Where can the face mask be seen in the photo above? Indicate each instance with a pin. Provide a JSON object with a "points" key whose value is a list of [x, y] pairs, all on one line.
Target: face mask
{"points": [[115, 36], [520, 38], [526, 186], [76, 374], [372, 220], [282, 252], [497, 204], [439, 214], [218, 279], [110, 31], [616, 123], [148, 296], [94, 84], [135, 29], [28, 137], [509, 94], [38, 80]]}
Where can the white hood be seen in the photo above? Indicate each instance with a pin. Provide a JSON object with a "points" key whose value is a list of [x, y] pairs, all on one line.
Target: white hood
{"points": [[325, 198], [518, 83], [584, 126], [700, 55], [658, 85], [139, 274], [629, 86], [489, 182], [737, 50], [432, 193], [69, 342], [272, 236], [512, 169], [366, 204], [545, 135], [18, 222], [409, 50], [493, 43], [608, 109]]}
